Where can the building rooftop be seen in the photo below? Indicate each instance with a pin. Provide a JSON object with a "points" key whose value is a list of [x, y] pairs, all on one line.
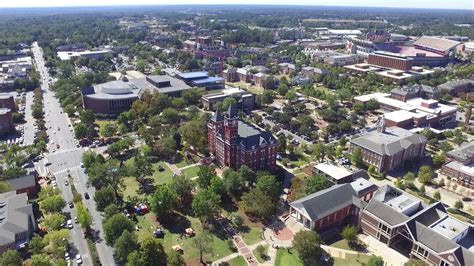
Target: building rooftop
{"points": [[389, 142], [333, 171], [402, 115], [327, 201], [15, 213], [194, 75], [449, 227], [435, 43], [22, 182], [464, 153]]}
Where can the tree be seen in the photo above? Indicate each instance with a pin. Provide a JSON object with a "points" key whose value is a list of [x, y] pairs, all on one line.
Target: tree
{"points": [[170, 116], [233, 182], [41, 260], [83, 216], [152, 252], [87, 117], [4, 187], [108, 129], [437, 196], [205, 175], [268, 185], [90, 157], [183, 187], [81, 131], [308, 246], [316, 183], [104, 197], [257, 204], [175, 259], [372, 105], [69, 109], [124, 245], [349, 233], [114, 227], [375, 261], [206, 204], [133, 259], [35, 246], [194, 134], [165, 147], [319, 151], [11, 257], [291, 96], [458, 205], [53, 221], [439, 159], [52, 204], [141, 167], [425, 174], [356, 157], [163, 202], [111, 210], [281, 143], [203, 243], [247, 174], [54, 242], [415, 262]]}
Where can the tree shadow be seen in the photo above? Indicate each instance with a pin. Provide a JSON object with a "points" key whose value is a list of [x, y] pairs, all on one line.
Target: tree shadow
{"points": [[177, 224]]}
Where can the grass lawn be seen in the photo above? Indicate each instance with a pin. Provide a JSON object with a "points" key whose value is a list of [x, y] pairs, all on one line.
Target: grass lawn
{"points": [[164, 176], [173, 236], [131, 186], [182, 163], [284, 258], [246, 86], [191, 171], [260, 259], [252, 236], [342, 244], [352, 260], [237, 261]]}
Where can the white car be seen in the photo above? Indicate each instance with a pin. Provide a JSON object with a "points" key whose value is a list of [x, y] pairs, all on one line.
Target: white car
{"points": [[78, 259], [69, 224]]}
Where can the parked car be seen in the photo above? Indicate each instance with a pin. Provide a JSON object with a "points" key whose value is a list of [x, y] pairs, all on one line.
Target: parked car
{"points": [[78, 259]]}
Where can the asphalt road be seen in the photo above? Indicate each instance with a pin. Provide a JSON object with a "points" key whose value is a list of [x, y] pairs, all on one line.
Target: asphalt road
{"points": [[66, 159]]}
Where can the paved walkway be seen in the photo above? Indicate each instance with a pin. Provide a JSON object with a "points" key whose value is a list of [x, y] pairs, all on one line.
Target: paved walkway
{"points": [[189, 166], [390, 256], [173, 168]]}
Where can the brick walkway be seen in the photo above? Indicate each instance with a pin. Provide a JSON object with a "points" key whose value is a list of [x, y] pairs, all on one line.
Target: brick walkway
{"points": [[245, 250]]}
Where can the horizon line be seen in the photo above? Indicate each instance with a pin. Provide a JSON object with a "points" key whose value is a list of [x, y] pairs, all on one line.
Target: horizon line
{"points": [[249, 4]]}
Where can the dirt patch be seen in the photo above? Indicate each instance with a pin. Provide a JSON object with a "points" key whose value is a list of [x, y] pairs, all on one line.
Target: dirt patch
{"points": [[308, 170], [283, 234]]}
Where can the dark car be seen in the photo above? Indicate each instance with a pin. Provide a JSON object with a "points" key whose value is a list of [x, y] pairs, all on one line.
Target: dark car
{"points": [[86, 195], [71, 205]]}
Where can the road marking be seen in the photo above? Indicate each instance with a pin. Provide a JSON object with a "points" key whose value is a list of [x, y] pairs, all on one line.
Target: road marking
{"points": [[68, 169]]}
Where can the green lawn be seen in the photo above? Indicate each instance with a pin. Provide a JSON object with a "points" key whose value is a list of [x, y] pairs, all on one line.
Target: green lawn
{"points": [[131, 186], [164, 176], [237, 261], [191, 171], [342, 244], [252, 236], [182, 163], [260, 259], [352, 260], [173, 237], [284, 258]]}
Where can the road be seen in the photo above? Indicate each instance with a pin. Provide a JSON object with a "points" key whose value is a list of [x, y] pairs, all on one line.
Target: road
{"points": [[65, 158]]}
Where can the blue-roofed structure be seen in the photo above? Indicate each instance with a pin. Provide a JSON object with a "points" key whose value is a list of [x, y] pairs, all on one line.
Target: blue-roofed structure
{"points": [[202, 79]]}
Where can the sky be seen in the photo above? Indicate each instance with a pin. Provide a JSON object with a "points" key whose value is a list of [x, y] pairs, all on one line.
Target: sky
{"points": [[443, 4]]}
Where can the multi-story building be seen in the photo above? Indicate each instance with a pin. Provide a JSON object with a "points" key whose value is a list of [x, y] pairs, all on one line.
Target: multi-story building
{"points": [[286, 68], [202, 79], [17, 221], [333, 207], [388, 148], [416, 230], [407, 92], [7, 101], [230, 75], [117, 96], [26, 184], [390, 60], [245, 100], [456, 87], [343, 60], [6, 122], [234, 143], [460, 165]]}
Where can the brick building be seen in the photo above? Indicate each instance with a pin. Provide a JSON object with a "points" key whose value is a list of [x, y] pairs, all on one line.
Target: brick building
{"points": [[333, 207], [6, 122], [7, 101], [390, 60], [417, 230], [388, 148], [234, 143], [460, 165]]}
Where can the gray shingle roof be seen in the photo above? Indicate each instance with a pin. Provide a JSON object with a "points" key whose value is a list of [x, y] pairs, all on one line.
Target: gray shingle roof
{"points": [[429, 237], [390, 142], [15, 213], [327, 201], [22, 182]]}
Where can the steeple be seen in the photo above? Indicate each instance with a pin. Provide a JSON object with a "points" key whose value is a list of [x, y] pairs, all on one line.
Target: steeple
{"points": [[216, 117], [232, 111], [381, 124]]}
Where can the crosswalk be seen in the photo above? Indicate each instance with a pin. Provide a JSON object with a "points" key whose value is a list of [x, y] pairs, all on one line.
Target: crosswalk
{"points": [[67, 170]]}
